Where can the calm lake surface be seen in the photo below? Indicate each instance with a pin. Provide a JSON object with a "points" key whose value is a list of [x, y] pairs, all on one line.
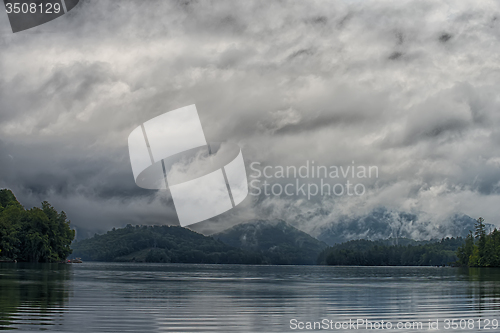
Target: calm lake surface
{"points": [[114, 297]]}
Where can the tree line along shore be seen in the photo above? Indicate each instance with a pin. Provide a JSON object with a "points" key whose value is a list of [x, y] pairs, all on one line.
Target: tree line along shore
{"points": [[42, 234]]}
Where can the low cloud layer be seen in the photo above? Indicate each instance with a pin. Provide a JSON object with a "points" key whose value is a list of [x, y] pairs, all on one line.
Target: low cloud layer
{"points": [[411, 87]]}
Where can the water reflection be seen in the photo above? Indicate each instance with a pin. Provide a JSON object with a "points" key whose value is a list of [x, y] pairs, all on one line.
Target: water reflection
{"points": [[112, 297], [483, 287], [33, 294]]}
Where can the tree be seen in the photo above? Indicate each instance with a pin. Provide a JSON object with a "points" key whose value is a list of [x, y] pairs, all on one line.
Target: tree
{"points": [[38, 234], [465, 251], [482, 250], [480, 235]]}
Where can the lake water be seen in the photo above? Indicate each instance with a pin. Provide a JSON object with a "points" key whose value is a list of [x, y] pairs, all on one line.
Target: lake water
{"points": [[114, 297]]}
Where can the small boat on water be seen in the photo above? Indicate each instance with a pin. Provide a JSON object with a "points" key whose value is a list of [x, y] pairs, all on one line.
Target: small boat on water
{"points": [[75, 261]]}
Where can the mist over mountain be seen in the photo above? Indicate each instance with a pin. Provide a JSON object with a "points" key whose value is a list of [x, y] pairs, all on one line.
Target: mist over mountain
{"points": [[379, 224], [382, 223], [330, 81], [275, 239]]}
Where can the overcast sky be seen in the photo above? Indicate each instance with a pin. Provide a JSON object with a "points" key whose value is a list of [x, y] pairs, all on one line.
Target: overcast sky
{"points": [[409, 86]]}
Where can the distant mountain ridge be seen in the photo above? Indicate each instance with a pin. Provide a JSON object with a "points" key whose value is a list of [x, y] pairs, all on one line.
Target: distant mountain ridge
{"points": [[160, 244], [265, 241], [383, 224], [276, 239], [260, 242]]}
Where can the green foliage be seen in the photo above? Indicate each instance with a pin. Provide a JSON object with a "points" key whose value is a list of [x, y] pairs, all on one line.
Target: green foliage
{"points": [[482, 249], [35, 235], [465, 251], [278, 242], [162, 244], [157, 255], [378, 253]]}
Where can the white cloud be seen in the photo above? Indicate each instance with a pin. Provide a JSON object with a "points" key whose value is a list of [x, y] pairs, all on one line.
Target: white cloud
{"points": [[408, 86]]}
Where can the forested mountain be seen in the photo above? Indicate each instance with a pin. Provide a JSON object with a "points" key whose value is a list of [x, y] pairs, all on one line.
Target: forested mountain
{"points": [[251, 243], [34, 235], [44, 235], [276, 240], [383, 223], [160, 244], [381, 253]]}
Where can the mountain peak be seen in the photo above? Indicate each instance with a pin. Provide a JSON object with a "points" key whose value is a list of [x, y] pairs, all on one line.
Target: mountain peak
{"points": [[276, 239], [382, 223]]}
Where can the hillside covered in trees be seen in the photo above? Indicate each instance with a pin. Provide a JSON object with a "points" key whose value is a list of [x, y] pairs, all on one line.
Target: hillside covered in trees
{"points": [[480, 249], [44, 235], [276, 240], [161, 244], [381, 253], [34, 235], [276, 244]]}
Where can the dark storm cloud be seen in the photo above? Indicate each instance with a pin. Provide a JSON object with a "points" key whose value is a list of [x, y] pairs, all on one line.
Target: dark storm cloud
{"points": [[410, 87]]}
